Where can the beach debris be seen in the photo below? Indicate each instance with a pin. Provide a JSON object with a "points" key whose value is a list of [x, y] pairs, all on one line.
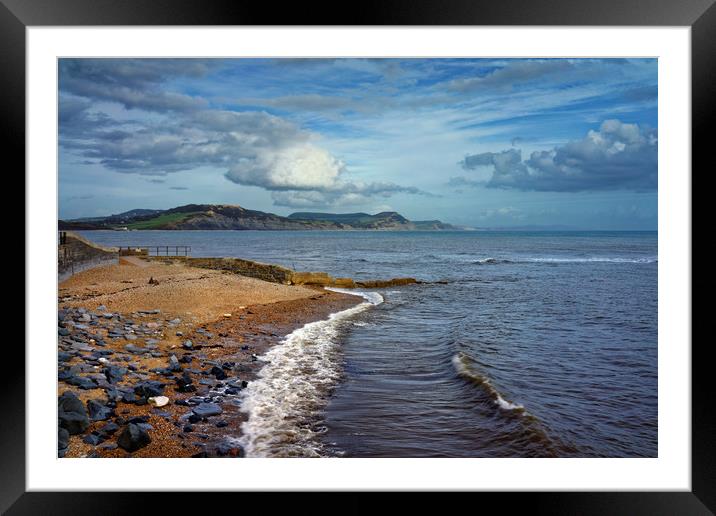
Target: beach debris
{"points": [[227, 315], [152, 281], [158, 401], [133, 437]]}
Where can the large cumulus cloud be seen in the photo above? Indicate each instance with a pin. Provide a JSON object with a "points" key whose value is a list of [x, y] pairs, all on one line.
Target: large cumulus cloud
{"points": [[174, 132], [618, 156]]}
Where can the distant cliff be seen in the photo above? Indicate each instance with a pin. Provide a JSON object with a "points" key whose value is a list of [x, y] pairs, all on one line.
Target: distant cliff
{"points": [[222, 216]]}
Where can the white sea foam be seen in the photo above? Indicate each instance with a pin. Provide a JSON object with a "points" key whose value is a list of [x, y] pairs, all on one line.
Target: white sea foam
{"points": [[285, 401], [593, 259]]}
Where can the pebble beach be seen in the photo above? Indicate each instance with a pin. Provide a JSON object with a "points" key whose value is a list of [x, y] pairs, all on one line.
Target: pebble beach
{"points": [[153, 357]]}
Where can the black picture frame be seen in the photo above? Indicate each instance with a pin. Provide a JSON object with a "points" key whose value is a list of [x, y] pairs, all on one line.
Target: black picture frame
{"points": [[700, 15]]}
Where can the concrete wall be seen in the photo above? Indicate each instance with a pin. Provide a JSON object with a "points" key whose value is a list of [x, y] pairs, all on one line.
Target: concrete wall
{"points": [[78, 254]]}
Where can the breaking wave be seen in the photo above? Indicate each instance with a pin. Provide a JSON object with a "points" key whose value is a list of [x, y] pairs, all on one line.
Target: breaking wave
{"points": [[463, 366], [593, 259], [284, 404]]}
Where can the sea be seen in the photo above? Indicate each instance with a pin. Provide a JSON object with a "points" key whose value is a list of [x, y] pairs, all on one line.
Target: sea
{"points": [[514, 344]]}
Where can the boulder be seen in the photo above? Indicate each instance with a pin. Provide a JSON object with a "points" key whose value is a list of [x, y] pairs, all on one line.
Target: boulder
{"points": [[133, 437], [71, 413]]}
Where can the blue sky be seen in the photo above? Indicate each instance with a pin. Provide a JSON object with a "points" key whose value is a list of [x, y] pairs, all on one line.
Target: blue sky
{"points": [[480, 142]]}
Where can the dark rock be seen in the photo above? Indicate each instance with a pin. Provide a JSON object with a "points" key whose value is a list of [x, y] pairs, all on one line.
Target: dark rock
{"points": [[231, 391], [82, 382], [93, 439], [221, 424], [114, 374], [63, 356], [63, 441], [98, 411], [109, 429], [133, 437], [188, 428], [63, 332], [193, 418], [71, 413], [174, 364], [186, 359], [129, 397], [149, 388], [109, 446], [218, 373], [207, 410], [228, 449]]}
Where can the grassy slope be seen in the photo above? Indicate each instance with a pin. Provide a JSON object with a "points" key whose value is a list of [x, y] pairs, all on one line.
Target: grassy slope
{"points": [[160, 221]]}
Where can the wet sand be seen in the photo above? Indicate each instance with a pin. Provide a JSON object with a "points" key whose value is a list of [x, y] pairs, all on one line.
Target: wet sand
{"points": [[228, 319]]}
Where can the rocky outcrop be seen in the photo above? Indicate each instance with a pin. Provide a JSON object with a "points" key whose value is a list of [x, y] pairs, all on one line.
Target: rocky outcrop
{"points": [[395, 282]]}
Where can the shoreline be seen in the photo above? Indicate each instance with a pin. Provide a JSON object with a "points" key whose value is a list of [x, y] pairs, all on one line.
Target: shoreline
{"points": [[116, 347]]}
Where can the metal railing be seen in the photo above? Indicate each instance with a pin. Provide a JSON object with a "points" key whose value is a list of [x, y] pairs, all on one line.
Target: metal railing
{"points": [[156, 250]]}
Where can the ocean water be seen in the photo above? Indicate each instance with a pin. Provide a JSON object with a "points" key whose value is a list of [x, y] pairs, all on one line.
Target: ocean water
{"points": [[519, 344]]}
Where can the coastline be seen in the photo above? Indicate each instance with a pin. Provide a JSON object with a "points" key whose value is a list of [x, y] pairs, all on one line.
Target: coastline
{"points": [[117, 335]]}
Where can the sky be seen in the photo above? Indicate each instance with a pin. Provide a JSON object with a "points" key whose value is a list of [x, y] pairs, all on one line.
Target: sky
{"points": [[476, 142]]}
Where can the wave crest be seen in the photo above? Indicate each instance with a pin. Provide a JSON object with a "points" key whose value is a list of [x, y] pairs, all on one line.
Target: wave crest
{"points": [[463, 367]]}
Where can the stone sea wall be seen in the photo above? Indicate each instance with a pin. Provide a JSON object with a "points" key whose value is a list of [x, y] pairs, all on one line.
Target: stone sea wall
{"points": [[262, 271], [283, 275], [75, 254]]}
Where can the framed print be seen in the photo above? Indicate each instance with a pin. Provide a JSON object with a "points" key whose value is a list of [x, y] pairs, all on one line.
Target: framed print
{"points": [[435, 250]]}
